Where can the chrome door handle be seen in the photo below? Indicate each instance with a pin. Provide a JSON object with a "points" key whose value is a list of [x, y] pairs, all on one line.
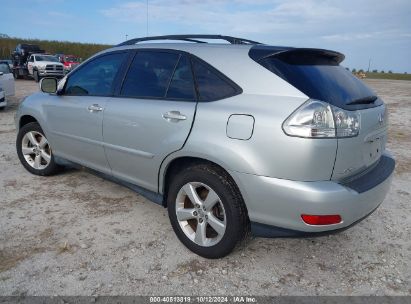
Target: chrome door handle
{"points": [[174, 116], [95, 108]]}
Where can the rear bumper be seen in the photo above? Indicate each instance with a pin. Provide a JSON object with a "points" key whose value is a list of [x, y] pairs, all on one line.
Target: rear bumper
{"points": [[278, 203]]}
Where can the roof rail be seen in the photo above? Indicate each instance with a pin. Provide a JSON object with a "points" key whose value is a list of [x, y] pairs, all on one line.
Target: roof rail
{"points": [[190, 38]]}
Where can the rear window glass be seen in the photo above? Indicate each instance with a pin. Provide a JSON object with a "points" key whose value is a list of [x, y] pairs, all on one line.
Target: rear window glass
{"points": [[182, 83], [330, 83], [211, 86]]}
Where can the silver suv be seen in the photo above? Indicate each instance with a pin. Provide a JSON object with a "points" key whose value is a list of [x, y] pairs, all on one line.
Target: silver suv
{"points": [[231, 138]]}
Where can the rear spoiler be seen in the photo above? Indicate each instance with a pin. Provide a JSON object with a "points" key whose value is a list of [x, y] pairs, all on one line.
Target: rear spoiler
{"points": [[299, 56]]}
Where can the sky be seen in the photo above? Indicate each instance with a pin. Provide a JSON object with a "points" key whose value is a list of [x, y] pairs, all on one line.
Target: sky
{"points": [[375, 31]]}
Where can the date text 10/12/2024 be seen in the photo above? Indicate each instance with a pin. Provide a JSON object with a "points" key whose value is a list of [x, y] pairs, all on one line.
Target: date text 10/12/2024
{"points": [[203, 299]]}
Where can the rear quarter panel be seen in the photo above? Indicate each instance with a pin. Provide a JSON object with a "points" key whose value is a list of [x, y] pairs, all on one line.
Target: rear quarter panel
{"points": [[269, 152]]}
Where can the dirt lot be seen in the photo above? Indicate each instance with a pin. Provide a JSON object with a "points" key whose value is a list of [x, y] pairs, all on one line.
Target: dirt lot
{"points": [[77, 234]]}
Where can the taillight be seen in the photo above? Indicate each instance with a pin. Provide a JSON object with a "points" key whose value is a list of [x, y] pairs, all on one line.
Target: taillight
{"points": [[321, 219], [317, 119]]}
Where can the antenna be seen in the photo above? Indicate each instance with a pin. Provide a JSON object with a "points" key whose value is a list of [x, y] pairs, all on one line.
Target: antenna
{"points": [[147, 20]]}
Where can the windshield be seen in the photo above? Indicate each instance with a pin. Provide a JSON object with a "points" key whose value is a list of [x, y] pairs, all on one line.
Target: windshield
{"points": [[46, 58], [4, 68], [71, 59]]}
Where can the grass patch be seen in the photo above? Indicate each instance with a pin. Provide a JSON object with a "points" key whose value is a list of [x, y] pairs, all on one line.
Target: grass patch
{"points": [[393, 76]]}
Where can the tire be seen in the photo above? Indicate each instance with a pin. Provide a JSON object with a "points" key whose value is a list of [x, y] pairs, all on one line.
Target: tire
{"points": [[36, 76], [207, 181], [41, 159], [16, 75]]}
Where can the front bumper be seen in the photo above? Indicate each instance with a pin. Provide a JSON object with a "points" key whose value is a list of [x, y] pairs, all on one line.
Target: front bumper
{"points": [[279, 203]]}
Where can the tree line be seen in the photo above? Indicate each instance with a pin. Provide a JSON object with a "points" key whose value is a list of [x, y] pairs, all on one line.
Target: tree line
{"points": [[81, 50]]}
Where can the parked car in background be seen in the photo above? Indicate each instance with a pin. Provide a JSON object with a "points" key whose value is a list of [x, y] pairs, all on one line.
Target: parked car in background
{"points": [[42, 65], [8, 61], [6, 83], [229, 137], [70, 62]]}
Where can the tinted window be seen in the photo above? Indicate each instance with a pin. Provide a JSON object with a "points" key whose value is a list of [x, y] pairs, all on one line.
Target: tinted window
{"points": [[182, 83], [211, 86], [149, 74], [320, 80], [96, 77]]}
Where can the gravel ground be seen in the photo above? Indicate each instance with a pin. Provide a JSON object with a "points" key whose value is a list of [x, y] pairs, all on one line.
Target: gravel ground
{"points": [[77, 234]]}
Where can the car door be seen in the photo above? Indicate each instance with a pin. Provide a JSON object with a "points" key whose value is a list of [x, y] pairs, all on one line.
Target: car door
{"points": [[75, 119], [150, 117], [6, 79]]}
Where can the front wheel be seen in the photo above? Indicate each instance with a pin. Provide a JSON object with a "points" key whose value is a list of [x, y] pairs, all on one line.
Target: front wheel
{"points": [[207, 211], [34, 151], [36, 76]]}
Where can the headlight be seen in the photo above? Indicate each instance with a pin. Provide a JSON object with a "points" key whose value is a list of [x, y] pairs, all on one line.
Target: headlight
{"points": [[317, 119], [42, 68]]}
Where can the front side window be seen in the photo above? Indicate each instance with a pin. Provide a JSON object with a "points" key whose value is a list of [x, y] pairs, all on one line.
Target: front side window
{"points": [[149, 74], [211, 84], [96, 77]]}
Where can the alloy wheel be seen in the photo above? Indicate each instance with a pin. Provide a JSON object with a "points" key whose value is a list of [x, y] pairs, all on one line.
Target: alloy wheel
{"points": [[200, 214], [36, 150]]}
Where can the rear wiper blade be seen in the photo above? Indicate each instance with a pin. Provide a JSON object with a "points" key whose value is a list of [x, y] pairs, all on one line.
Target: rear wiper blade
{"points": [[363, 100]]}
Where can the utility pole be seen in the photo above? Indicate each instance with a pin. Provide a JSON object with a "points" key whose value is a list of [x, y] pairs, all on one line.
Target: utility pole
{"points": [[126, 37], [369, 64]]}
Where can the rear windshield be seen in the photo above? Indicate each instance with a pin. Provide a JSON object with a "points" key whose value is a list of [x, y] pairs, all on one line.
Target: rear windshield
{"points": [[330, 82]]}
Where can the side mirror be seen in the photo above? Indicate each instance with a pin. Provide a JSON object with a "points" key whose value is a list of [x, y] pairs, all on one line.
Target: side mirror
{"points": [[1, 73], [48, 85]]}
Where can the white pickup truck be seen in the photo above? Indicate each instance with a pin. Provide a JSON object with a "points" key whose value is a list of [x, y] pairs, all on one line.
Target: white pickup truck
{"points": [[42, 65], [6, 84]]}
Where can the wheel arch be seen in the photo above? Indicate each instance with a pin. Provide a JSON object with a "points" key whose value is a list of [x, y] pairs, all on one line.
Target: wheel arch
{"points": [[25, 119], [177, 164]]}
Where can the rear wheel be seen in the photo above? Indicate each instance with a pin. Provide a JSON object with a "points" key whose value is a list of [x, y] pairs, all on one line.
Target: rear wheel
{"points": [[206, 211], [34, 150]]}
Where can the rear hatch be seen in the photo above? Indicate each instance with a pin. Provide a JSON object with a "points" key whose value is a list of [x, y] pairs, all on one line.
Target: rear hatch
{"points": [[318, 74]]}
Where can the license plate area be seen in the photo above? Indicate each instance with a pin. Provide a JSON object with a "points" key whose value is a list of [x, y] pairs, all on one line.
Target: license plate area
{"points": [[373, 149]]}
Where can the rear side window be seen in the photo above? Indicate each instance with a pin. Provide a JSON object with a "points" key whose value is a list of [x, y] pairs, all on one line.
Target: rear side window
{"points": [[211, 84], [321, 79], [150, 74], [182, 83], [96, 77]]}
